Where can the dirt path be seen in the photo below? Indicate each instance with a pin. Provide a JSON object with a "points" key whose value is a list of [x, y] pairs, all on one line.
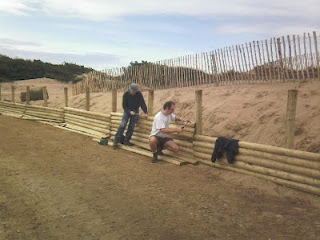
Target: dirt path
{"points": [[55, 184]]}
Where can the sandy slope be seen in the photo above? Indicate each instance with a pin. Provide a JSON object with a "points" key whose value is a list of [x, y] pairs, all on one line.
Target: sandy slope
{"points": [[78, 189], [254, 113]]}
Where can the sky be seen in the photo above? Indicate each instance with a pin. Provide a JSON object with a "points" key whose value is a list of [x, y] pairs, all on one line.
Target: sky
{"points": [[111, 33]]}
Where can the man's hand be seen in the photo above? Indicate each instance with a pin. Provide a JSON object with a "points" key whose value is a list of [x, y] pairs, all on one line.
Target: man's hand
{"points": [[184, 120], [179, 129], [132, 113]]}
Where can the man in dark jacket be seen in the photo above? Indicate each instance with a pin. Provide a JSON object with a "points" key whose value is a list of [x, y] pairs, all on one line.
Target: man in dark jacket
{"points": [[131, 102]]}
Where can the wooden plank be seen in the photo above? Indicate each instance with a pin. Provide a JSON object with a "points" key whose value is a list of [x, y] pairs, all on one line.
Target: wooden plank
{"points": [[298, 186]]}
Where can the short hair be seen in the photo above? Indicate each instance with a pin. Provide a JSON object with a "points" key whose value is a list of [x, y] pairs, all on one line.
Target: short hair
{"points": [[168, 105]]}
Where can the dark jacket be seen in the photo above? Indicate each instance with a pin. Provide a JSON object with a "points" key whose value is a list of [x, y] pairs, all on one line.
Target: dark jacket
{"points": [[133, 102], [231, 146]]}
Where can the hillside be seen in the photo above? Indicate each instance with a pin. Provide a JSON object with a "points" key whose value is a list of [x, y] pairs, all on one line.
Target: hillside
{"points": [[254, 113], [12, 69]]}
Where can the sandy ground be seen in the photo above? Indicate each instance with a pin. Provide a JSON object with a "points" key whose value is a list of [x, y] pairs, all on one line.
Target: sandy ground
{"points": [[77, 189], [254, 113]]}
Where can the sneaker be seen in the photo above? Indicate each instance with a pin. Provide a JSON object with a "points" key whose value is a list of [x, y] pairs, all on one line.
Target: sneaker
{"points": [[159, 151], [155, 157], [128, 144], [115, 144]]}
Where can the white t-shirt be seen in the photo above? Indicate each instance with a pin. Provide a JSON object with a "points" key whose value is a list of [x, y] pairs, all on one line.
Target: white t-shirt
{"points": [[161, 121]]}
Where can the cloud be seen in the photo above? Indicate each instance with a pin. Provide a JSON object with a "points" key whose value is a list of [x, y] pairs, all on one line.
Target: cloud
{"points": [[16, 7], [128, 30], [90, 59], [15, 43], [265, 29], [100, 10]]}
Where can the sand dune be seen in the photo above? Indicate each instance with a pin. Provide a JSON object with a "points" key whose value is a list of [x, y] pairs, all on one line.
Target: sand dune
{"points": [[254, 113]]}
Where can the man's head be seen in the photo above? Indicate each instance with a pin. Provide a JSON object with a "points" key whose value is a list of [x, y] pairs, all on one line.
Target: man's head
{"points": [[134, 88], [168, 107]]}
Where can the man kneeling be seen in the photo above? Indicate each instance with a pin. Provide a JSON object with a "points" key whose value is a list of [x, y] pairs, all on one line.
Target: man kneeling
{"points": [[158, 139]]}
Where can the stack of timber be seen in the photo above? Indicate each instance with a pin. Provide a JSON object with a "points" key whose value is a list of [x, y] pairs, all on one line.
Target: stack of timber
{"points": [[35, 113], [291, 168], [141, 135], [88, 123], [44, 114], [12, 109]]}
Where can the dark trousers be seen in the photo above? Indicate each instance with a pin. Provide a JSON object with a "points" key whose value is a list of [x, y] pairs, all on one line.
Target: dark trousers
{"points": [[132, 122]]}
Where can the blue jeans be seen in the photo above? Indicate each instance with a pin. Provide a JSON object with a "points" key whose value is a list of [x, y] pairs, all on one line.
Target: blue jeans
{"points": [[133, 120]]}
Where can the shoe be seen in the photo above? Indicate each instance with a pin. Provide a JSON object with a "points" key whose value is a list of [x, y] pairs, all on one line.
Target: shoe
{"points": [[115, 144], [159, 151], [155, 157], [128, 144]]}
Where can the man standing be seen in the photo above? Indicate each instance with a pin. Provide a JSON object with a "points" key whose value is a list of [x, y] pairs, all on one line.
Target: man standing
{"points": [[131, 102], [160, 127]]}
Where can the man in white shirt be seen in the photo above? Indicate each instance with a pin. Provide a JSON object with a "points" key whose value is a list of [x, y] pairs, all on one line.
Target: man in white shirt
{"points": [[160, 127]]}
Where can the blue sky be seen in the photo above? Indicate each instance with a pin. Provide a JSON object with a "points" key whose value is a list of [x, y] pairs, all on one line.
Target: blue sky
{"points": [[111, 33]]}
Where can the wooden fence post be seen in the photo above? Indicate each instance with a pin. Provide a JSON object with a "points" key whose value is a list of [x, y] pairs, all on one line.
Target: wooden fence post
{"points": [[0, 92], [114, 100], [45, 96], [290, 118], [199, 112], [66, 104], [12, 94], [28, 95], [87, 98], [150, 102]]}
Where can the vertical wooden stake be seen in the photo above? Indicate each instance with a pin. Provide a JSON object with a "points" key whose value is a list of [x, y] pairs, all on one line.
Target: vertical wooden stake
{"points": [[66, 97], [290, 58], [199, 112], [272, 62], [281, 70], [150, 102], [295, 56], [305, 56], [12, 94], [254, 70], [300, 58], [257, 68], [114, 100], [285, 61], [268, 57], [0, 92], [245, 67], [28, 95], [220, 75], [215, 68], [290, 118], [45, 96], [261, 66], [87, 98], [311, 58], [317, 53]]}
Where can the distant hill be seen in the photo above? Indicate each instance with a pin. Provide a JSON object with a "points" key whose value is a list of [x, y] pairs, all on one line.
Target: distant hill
{"points": [[15, 69]]}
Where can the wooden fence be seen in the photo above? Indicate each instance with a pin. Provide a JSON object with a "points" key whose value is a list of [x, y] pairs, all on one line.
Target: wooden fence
{"points": [[288, 167], [290, 58]]}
